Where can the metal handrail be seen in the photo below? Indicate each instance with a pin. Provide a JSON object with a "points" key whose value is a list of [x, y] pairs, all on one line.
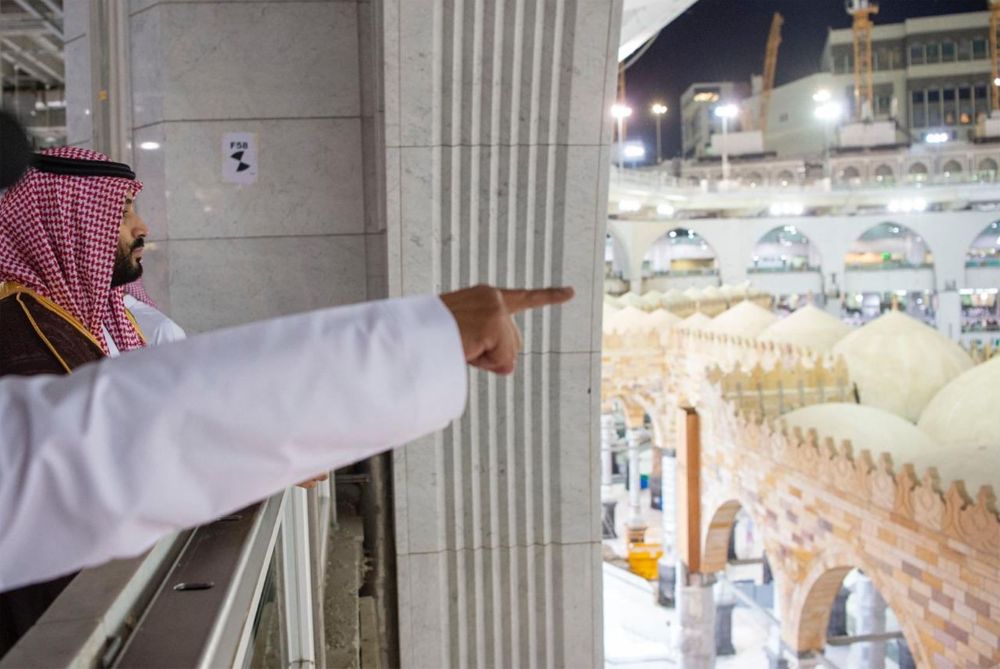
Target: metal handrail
{"points": [[95, 615]]}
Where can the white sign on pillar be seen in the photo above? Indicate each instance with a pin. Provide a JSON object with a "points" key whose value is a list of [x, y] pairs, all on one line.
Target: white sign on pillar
{"points": [[239, 157]]}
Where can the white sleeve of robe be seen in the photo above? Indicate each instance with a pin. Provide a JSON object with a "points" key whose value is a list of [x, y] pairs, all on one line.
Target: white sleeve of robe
{"points": [[100, 464], [156, 326]]}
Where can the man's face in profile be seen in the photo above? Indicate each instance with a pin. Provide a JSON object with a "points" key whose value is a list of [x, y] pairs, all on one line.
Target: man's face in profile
{"points": [[131, 242]]}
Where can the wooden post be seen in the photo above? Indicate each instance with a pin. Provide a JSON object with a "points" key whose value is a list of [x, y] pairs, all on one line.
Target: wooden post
{"points": [[689, 488]]}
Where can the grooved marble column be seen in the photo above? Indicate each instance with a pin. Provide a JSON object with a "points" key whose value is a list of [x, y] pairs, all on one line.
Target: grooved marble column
{"points": [[497, 133], [695, 628], [635, 524], [667, 564], [870, 609], [609, 439]]}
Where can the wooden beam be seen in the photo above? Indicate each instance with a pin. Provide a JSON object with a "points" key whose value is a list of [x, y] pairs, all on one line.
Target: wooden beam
{"points": [[689, 488]]}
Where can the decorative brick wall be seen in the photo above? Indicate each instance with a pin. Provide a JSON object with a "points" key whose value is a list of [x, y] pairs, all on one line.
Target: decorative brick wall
{"points": [[931, 548]]}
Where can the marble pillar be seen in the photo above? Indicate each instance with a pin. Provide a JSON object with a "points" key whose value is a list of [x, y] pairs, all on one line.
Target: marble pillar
{"points": [[635, 523], [609, 440], [695, 627], [496, 146], [667, 565], [838, 614], [870, 610], [725, 602], [775, 647], [904, 657]]}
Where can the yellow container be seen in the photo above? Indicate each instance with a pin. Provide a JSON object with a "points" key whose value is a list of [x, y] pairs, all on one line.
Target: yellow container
{"points": [[642, 559]]}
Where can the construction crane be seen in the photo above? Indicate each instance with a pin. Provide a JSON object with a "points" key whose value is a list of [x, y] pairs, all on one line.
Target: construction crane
{"points": [[864, 88], [995, 53], [770, 64]]}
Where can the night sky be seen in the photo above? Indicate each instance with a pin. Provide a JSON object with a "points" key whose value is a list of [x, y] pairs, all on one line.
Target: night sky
{"points": [[724, 40]]}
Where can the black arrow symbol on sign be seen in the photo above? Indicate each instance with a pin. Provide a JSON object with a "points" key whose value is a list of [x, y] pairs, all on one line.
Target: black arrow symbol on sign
{"points": [[238, 157]]}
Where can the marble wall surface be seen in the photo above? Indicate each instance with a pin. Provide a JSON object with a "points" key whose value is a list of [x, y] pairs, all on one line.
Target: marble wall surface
{"points": [[496, 171], [290, 73]]}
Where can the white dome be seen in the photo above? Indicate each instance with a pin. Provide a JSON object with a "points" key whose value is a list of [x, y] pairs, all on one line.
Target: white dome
{"points": [[711, 293], [651, 300], [674, 297], [661, 319], [746, 319], [965, 414], [609, 311], [696, 322], [626, 320], [693, 294], [630, 300], [808, 327], [880, 432], [898, 363]]}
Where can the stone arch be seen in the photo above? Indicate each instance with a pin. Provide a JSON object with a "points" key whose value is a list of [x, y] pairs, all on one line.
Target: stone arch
{"points": [[813, 597], [715, 553], [888, 245], [633, 411], [616, 248], [951, 167], [850, 173], [784, 178], [884, 174], [785, 249], [988, 166], [681, 252], [754, 179], [984, 251], [917, 171]]}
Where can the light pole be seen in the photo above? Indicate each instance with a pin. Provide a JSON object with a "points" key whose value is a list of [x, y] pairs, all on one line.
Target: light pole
{"points": [[658, 110], [828, 111], [621, 112], [726, 112]]}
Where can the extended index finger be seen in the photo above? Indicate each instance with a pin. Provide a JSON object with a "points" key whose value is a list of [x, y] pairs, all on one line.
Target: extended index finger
{"points": [[518, 300]]}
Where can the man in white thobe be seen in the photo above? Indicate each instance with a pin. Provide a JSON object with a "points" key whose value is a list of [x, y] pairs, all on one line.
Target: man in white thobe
{"points": [[226, 419]]}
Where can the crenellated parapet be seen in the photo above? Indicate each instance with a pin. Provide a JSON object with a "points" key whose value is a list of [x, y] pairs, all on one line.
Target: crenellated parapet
{"points": [[931, 546]]}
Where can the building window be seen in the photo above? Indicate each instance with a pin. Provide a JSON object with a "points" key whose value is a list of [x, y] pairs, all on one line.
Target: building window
{"points": [[965, 110], [979, 48], [982, 101], [918, 114], [933, 107], [883, 105], [843, 63], [933, 51], [964, 49], [950, 109], [947, 52], [917, 54]]}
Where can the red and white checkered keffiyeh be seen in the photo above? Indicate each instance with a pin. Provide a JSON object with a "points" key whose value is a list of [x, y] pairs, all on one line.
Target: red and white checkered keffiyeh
{"points": [[137, 290], [59, 236]]}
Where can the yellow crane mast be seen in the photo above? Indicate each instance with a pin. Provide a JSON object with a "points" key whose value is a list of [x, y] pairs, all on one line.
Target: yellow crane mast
{"points": [[995, 53], [864, 88], [770, 64]]}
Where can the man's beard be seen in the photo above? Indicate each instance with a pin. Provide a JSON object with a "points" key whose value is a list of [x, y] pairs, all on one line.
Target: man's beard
{"points": [[126, 270]]}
